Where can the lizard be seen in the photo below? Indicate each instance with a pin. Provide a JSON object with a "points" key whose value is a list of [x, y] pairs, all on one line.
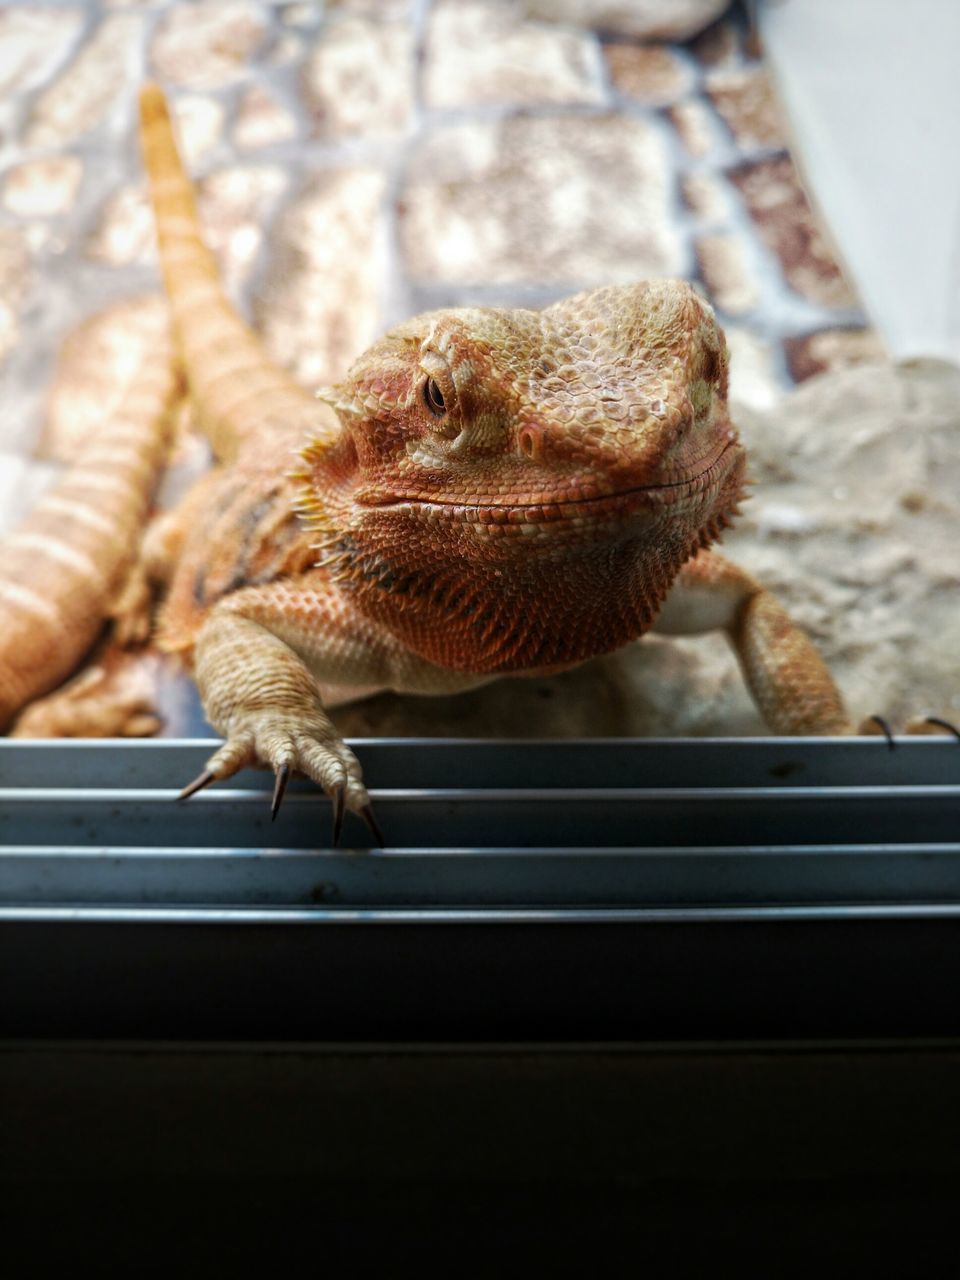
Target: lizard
{"points": [[486, 492], [64, 567]]}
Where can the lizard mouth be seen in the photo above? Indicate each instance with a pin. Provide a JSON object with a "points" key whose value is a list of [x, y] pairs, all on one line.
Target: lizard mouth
{"points": [[587, 503]]}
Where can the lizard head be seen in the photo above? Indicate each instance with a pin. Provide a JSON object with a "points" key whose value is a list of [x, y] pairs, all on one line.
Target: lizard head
{"points": [[486, 452]]}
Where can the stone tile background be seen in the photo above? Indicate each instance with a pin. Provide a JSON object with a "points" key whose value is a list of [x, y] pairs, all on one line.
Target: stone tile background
{"points": [[361, 160]]}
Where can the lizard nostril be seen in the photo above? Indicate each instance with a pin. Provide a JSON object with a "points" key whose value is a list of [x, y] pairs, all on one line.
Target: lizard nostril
{"points": [[531, 443]]}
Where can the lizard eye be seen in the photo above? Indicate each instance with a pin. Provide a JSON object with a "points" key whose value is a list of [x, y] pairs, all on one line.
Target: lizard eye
{"points": [[433, 398]]}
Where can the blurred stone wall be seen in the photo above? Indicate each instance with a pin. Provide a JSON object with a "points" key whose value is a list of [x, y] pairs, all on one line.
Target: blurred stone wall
{"points": [[362, 160]]}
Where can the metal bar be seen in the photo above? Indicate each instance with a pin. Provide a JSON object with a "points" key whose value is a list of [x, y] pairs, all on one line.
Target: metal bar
{"points": [[393, 764], [462, 976], [627, 818], [613, 890], [554, 878]]}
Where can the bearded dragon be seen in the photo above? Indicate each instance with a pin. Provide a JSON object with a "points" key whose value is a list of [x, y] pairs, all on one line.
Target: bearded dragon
{"points": [[486, 492]]}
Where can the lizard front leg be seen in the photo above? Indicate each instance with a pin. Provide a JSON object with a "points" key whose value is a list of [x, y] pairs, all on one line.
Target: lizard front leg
{"points": [[261, 659], [788, 679]]}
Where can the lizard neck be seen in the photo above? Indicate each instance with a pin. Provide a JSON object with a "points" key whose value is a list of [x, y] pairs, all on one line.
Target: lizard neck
{"points": [[532, 616]]}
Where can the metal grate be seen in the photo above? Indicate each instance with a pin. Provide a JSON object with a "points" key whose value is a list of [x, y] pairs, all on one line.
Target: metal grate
{"points": [[578, 856]]}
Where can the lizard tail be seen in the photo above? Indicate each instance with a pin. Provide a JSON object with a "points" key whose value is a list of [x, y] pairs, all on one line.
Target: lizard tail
{"points": [[240, 394], [61, 567]]}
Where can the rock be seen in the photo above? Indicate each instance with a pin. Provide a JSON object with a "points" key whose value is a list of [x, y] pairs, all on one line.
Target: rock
{"points": [[321, 304], [344, 85], [644, 19], [704, 195], [82, 95], [392, 9], [753, 382], [235, 204], [43, 188], [777, 204], [745, 99], [34, 41], [299, 15], [207, 45], [480, 51], [692, 122], [877, 580], [723, 265], [647, 73], [23, 481], [832, 349], [261, 120], [199, 121], [95, 367], [124, 233], [718, 46], [552, 200], [285, 49], [15, 280]]}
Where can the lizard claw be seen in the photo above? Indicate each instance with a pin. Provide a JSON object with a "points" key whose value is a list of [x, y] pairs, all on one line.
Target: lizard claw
{"points": [[197, 784], [884, 729], [366, 813], [943, 724], [338, 799], [279, 787]]}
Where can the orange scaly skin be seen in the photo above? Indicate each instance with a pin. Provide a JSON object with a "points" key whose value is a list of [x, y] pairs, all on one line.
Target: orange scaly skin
{"points": [[61, 569], [488, 491]]}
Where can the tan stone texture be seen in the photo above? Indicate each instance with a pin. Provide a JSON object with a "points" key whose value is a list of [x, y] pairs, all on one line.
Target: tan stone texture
{"points": [[749, 107], [480, 51], [124, 233], [779, 207], [15, 280], [344, 83], [207, 45], [199, 121], [730, 283], [753, 380], [286, 49], [33, 41], [646, 19], [693, 124], [832, 349], [647, 73], [540, 200], [82, 95], [718, 46], [321, 305], [386, 9], [705, 196], [23, 482], [235, 205], [261, 121], [299, 14], [43, 188]]}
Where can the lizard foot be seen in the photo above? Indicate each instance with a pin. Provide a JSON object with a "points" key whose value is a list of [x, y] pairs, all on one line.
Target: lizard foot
{"points": [[132, 611], [289, 744], [115, 697]]}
